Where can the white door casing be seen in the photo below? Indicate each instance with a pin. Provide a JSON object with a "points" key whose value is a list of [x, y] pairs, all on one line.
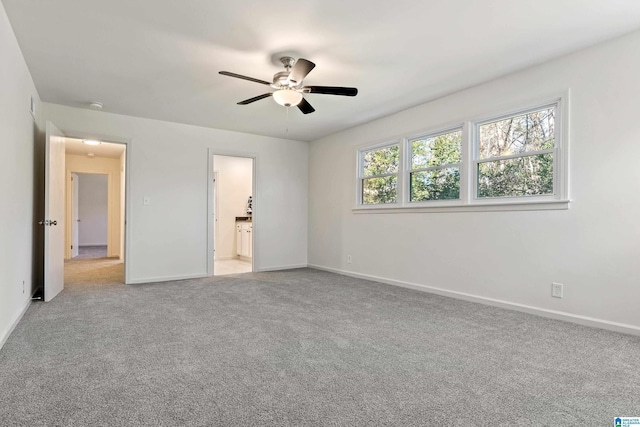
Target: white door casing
{"points": [[75, 219], [54, 212]]}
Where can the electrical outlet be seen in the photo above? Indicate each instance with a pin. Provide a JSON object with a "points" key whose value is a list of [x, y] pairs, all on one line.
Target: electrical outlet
{"points": [[348, 259], [146, 200], [23, 286], [557, 290]]}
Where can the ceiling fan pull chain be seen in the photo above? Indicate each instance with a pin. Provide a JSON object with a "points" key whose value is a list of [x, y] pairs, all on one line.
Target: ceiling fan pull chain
{"points": [[287, 108]]}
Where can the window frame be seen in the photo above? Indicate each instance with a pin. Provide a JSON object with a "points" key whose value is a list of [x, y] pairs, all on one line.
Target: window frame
{"points": [[556, 151], [408, 166], [468, 165], [361, 177]]}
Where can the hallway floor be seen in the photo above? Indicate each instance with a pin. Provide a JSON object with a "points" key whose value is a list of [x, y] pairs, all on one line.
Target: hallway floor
{"points": [[85, 252]]}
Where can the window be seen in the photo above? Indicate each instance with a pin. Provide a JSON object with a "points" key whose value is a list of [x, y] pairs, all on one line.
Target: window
{"points": [[379, 175], [515, 155], [517, 160], [435, 167]]}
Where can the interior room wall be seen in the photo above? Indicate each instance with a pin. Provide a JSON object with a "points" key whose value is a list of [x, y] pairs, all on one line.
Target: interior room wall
{"points": [[513, 257], [19, 133], [169, 164], [235, 179], [97, 165], [92, 209]]}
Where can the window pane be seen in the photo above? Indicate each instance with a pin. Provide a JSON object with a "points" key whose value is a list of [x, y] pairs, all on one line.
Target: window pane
{"points": [[436, 150], [519, 134], [439, 184], [522, 176], [382, 161], [379, 190]]}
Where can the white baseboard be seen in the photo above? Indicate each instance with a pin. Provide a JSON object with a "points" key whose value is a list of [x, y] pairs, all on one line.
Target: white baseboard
{"points": [[166, 279], [7, 332], [282, 267], [543, 312]]}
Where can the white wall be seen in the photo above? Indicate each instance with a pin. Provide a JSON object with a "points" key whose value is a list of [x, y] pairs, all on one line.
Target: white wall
{"points": [[92, 209], [18, 134], [168, 162], [235, 179], [593, 248], [101, 165]]}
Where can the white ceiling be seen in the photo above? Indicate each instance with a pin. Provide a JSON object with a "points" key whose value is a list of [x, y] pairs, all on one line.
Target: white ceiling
{"points": [[160, 59], [110, 150]]}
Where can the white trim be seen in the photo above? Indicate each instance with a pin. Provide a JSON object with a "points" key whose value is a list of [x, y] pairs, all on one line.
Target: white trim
{"points": [[282, 267], [516, 156], [7, 332], [498, 206], [166, 279], [542, 312]]}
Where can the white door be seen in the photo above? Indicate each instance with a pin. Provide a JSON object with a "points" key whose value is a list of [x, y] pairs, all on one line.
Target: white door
{"points": [[53, 221], [75, 218]]}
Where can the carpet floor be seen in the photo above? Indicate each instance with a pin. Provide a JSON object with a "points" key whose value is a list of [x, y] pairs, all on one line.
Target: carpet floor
{"points": [[304, 347]]}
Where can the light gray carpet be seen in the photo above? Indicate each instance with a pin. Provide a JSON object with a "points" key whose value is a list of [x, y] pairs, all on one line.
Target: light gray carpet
{"points": [[305, 347]]}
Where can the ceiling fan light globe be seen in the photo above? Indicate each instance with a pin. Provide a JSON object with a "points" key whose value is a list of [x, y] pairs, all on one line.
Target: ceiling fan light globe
{"points": [[287, 97]]}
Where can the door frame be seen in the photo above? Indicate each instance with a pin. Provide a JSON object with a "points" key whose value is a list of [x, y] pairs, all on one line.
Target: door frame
{"points": [[69, 205], [74, 228], [210, 206], [215, 209], [128, 142]]}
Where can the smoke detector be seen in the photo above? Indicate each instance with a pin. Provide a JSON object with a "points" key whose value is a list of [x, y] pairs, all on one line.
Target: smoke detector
{"points": [[96, 105]]}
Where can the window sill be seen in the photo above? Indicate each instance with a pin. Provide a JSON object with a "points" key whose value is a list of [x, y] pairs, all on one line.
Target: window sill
{"points": [[545, 205]]}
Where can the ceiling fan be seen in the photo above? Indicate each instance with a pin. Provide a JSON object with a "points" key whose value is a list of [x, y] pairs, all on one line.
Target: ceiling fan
{"points": [[288, 85]]}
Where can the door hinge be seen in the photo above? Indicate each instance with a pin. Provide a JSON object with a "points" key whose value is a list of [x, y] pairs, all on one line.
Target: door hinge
{"points": [[71, 246]]}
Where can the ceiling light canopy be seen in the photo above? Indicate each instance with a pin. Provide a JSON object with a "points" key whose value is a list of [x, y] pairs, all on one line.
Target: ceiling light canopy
{"points": [[91, 142], [287, 97]]}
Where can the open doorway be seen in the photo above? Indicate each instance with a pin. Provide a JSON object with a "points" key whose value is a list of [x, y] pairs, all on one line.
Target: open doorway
{"points": [[95, 207], [90, 215], [233, 214]]}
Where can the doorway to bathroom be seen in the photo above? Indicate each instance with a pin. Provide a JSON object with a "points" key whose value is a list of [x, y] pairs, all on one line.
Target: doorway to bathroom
{"points": [[233, 214]]}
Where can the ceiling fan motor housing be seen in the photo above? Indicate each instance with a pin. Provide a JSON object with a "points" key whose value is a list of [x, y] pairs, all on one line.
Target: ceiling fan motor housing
{"points": [[280, 80]]}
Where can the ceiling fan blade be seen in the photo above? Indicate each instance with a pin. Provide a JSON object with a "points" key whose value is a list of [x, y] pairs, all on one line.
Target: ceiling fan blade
{"points": [[300, 70], [332, 90], [254, 99], [305, 107], [240, 76]]}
